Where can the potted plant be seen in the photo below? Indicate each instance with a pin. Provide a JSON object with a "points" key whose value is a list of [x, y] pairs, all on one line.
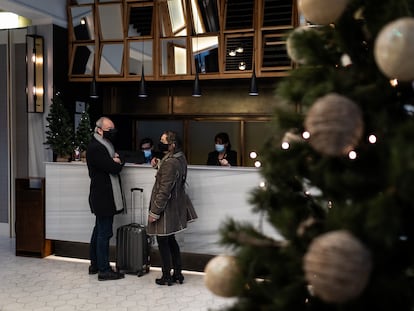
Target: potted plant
{"points": [[60, 133], [83, 133]]}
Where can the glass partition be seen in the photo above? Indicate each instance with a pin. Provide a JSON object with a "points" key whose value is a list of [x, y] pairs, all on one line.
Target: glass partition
{"points": [[201, 138]]}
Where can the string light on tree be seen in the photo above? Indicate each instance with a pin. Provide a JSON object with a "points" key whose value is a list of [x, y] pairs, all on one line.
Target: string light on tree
{"points": [[352, 155], [372, 139]]}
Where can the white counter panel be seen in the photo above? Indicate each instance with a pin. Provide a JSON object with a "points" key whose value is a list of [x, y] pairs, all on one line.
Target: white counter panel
{"points": [[217, 193]]}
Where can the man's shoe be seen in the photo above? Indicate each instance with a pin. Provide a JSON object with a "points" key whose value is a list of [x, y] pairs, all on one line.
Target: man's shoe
{"points": [[93, 269], [110, 275]]}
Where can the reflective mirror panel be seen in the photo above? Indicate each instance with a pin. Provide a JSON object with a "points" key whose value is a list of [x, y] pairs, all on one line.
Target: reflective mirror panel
{"points": [[172, 18], [83, 59], [111, 21], [174, 56], [140, 54], [83, 22], [205, 16], [111, 59], [205, 54], [239, 53], [140, 20]]}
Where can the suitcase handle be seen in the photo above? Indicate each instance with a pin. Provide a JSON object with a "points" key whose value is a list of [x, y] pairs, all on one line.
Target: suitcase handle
{"points": [[133, 205]]}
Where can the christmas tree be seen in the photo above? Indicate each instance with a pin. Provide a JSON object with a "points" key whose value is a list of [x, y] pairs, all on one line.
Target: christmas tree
{"points": [[83, 131], [339, 179], [60, 133]]}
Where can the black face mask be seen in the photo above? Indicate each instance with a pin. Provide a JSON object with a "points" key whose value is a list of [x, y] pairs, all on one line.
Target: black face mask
{"points": [[110, 135], [162, 147]]}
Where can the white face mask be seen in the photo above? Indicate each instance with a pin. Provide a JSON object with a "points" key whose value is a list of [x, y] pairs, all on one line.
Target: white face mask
{"points": [[219, 148]]}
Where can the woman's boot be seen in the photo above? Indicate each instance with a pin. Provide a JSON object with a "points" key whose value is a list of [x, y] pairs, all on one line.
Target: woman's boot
{"points": [[166, 279], [178, 277]]}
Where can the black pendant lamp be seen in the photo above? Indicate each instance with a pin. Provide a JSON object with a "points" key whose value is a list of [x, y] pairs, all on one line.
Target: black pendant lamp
{"points": [[93, 91], [196, 86], [254, 91], [142, 90]]}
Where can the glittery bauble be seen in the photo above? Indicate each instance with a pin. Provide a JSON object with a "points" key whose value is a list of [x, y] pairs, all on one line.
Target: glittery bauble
{"points": [[322, 12], [337, 267], [335, 125], [394, 49], [222, 276]]}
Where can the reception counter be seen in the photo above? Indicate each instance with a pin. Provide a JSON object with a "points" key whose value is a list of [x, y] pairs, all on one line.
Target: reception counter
{"points": [[216, 192]]}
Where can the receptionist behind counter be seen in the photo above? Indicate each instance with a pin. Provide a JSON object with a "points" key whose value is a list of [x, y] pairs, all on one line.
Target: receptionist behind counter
{"points": [[223, 155], [146, 145]]}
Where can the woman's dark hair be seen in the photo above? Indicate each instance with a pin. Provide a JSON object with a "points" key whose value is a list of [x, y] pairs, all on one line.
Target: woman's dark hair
{"points": [[173, 138], [224, 137]]}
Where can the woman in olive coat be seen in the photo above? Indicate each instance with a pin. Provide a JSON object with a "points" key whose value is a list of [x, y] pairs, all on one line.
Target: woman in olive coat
{"points": [[168, 206]]}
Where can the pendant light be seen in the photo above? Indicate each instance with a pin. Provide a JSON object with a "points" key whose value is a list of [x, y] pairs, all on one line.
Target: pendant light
{"points": [[196, 85], [254, 91], [93, 91], [142, 90]]}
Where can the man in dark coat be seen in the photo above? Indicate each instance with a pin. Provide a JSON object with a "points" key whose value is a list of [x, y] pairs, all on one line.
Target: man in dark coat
{"points": [[105, 197]]}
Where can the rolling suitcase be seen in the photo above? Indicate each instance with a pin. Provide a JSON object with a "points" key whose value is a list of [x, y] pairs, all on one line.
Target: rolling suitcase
{"points": [[133, 244]]}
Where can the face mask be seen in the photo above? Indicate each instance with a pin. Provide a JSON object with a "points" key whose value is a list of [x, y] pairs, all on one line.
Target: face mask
{"points": [[110, 135], [163, 147], [219, 148], [147, 153]]}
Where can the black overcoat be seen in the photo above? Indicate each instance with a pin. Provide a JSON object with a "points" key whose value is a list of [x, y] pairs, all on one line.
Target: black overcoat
{"points": [[100, 165]]}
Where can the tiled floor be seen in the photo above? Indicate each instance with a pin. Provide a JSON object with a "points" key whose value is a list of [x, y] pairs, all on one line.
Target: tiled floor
{"points": [[60, 284]]}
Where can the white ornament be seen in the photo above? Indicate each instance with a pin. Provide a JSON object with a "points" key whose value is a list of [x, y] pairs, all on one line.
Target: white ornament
{"points": [[335, 125], [394, 49], [337, 266], [294, 53], [322, 12], [222, 276]]}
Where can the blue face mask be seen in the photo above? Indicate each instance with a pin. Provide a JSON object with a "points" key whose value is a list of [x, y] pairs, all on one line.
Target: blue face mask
{"points": [[147, 153], [219, 148]]}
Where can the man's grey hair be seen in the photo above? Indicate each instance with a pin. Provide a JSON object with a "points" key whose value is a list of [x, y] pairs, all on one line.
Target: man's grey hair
{"points": [[99, 123]]}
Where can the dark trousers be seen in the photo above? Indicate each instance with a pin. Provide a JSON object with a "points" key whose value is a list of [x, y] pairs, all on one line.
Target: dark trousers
{"points": [[99, 246], [169, 253]]}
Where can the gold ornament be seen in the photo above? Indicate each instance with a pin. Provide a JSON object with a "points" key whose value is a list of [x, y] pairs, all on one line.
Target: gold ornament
{"points": [[337, 266], [335, 125], [394, 49], [222, 276], [322, 12]]}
